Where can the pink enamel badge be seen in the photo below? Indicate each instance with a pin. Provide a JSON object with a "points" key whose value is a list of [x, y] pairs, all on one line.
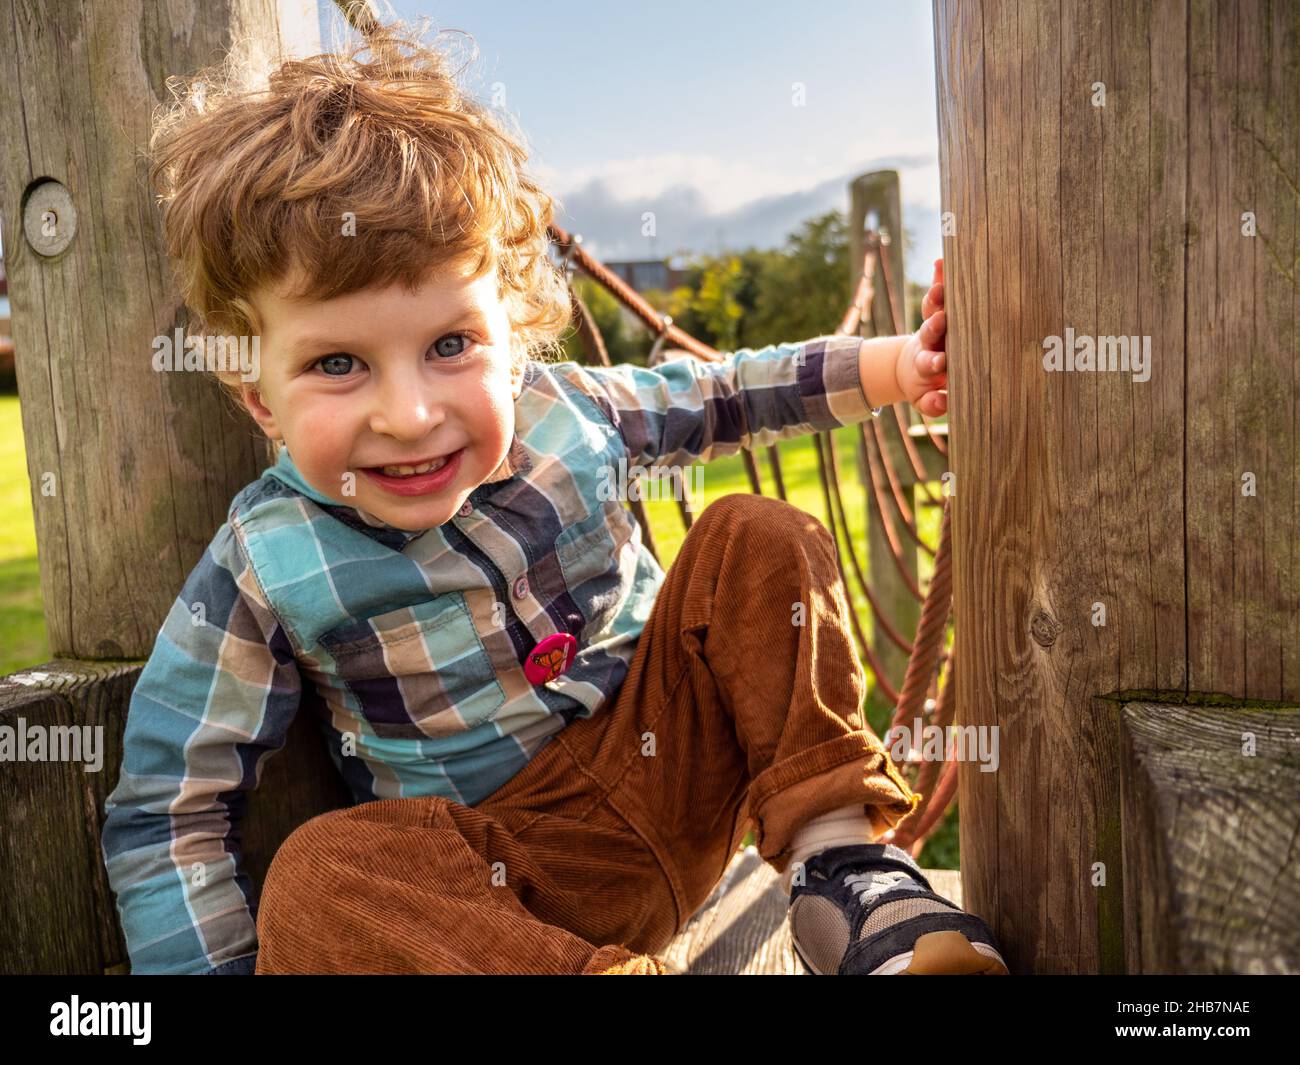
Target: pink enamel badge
{"points": [[550, 657]]}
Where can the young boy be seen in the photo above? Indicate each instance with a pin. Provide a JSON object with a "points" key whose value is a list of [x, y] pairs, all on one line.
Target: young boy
{"points": [[555, 747]]}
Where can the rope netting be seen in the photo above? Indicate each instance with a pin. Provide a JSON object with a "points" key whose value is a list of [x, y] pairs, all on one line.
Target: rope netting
{"points": [[927, 692], [927, 689]]}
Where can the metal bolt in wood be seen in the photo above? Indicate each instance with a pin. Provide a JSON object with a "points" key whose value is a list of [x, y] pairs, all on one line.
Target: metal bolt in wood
{"points": [[49, 218]]}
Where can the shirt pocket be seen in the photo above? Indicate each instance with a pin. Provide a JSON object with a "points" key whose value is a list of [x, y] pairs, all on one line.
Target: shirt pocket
{"points": [[591, 554], [421, 671]]}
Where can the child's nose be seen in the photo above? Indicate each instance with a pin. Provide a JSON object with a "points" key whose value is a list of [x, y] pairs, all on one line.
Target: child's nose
{"points": [[406, 409]]}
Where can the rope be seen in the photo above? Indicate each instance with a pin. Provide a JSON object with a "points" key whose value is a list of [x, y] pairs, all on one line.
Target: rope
{"points": [[900, 502], [881, 619], [914, 456], [930, 630], [630, 298], [926, 656]]}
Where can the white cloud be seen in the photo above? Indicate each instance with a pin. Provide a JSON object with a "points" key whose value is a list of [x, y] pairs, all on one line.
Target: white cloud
{"points": [[724, 185], [702, 201]]}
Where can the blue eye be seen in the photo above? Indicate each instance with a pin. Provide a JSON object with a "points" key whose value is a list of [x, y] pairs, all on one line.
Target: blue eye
{"points": [[327, 359], [439, 347], [449, 348]]}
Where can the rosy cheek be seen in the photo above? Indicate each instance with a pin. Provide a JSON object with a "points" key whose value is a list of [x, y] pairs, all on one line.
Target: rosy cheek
{"points": [[315, 417], [321, 431]]}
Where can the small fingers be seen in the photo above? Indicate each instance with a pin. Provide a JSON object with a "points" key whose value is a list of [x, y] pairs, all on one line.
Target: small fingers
{"points": [[932, 301], [934, 330], [929, 363], [934, 404]]}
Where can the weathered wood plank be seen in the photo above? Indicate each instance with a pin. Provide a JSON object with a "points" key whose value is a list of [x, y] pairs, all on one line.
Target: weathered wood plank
{"points": [[1243, 625], [131, 469], [960, 74], [1098, 160], [61, 916], [1211, 811]]}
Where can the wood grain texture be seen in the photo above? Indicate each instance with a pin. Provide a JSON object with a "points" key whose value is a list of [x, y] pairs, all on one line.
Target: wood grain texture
{"points": [[1242, 388], [1211, 806], [143, 464], [1083, 488], [60, 913]]}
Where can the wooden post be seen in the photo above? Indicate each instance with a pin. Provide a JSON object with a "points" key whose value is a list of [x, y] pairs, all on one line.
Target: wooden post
{"points": [[1114, 171], [132, 470], [878, 193]]}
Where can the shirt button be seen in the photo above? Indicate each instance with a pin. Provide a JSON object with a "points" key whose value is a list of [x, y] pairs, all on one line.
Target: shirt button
{"points": [[521, 587], [466, 509], [550, 657]]}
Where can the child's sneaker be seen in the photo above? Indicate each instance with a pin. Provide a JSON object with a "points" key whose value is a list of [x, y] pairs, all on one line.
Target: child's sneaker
{"points": [[868, 910]]}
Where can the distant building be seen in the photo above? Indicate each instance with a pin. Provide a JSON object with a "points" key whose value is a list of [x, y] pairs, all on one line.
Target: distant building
{"points": [[644, 274]]}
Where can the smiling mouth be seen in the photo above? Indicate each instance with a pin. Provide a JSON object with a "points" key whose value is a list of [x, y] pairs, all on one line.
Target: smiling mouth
{"points": [[413, 469]]}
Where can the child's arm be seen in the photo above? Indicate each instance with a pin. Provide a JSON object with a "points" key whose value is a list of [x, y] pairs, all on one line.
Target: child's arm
{"points": [[214, 699], [688, 411]]}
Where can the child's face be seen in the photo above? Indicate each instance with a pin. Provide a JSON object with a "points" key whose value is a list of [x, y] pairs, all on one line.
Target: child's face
{"points": [[384, 377]]}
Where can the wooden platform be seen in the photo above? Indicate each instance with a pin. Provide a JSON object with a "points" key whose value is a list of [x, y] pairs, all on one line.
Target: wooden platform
{"points": [[742, 929]]}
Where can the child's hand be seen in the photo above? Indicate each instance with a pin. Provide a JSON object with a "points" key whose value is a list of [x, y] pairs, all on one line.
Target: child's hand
{"points": [[922, 363]]}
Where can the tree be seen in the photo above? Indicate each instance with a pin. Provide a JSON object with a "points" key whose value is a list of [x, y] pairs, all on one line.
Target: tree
{"points": [[802, 291], [715, 302], [750, 298], [607, 313]]}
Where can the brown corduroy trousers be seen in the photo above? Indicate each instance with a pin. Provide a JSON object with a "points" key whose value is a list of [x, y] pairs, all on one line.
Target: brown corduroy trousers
{"points": [[743, 703]]}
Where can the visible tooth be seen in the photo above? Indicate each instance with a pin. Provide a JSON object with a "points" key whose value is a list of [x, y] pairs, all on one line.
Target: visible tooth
{"points": [[407, 471]]}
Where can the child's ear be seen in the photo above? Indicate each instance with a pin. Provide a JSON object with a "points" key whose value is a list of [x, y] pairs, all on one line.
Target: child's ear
{"points": [[260, 411]]}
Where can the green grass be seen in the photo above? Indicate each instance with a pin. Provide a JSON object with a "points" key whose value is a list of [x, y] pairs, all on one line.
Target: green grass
{"points": [[23, 641]]}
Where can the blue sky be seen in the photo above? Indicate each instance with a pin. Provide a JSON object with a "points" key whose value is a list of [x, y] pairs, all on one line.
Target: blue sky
{"points": [[687, 110]]}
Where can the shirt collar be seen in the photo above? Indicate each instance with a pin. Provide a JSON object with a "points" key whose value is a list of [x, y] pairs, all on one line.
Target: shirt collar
{"points": [[516, 462]]}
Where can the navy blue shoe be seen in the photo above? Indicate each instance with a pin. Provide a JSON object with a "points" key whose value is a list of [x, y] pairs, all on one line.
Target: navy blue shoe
{"points": [[868, 910]]}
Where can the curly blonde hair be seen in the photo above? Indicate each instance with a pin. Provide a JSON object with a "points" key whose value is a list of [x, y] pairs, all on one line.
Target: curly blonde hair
{"points": [[257, 182]]}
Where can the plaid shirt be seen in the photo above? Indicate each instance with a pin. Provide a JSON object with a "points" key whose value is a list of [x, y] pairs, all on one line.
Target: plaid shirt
{"points": [[416, 641]]}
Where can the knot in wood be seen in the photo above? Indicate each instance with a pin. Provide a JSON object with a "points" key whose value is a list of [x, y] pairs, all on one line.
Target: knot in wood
{"points": [[1045, 629]]}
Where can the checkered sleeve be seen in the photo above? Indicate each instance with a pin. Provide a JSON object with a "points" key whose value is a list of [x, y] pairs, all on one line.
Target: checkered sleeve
{"points": [[687, 410], [214, 700]]}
